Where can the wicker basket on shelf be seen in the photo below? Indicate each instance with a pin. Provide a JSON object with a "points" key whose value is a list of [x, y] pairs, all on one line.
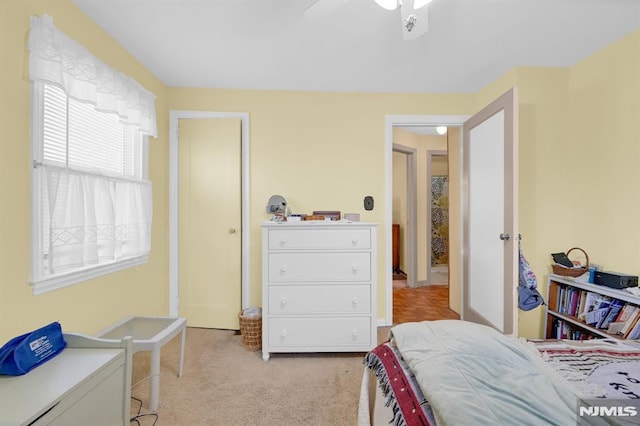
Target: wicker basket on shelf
{"points": [[571, 272]]}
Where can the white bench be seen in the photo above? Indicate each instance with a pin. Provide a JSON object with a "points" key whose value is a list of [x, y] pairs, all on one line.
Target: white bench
{"points": [[150, 334]]}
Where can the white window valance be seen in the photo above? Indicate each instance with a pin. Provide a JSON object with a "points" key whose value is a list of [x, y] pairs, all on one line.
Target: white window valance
{"points": [[56, 59]]}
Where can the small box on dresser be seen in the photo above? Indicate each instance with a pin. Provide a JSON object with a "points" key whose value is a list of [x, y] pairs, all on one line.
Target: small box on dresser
{"points": [[318, 287]]}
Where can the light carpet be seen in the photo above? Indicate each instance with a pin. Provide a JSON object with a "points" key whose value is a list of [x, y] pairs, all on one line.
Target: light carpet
{"points": [[224, 384]]}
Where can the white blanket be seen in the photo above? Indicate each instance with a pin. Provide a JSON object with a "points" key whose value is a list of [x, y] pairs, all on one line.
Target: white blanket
{"points": [[473, 375]]}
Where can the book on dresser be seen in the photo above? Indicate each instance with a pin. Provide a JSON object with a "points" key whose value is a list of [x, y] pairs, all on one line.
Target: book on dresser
{"points": [[578, 310]]}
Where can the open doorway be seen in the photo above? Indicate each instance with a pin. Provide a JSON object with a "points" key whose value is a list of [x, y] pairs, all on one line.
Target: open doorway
{"points": [[448, 300], [420, 232]]}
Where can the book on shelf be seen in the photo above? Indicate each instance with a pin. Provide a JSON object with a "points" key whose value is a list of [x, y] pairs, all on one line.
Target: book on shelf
{"points": [[633, 332], [625, 321], [589, 304], [627, 312], [615, 328], [614, 309], [631, 321], [564, 330], [582, 303], [597, 311]]}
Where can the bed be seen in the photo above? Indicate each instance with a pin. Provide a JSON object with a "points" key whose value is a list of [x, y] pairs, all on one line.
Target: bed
{"points": [[453, 372]]}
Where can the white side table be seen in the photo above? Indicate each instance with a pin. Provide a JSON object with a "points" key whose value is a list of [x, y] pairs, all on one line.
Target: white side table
{"points": [[150, 334]]}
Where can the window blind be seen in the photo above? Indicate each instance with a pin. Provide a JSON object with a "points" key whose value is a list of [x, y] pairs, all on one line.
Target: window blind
{"points": [[75, 135]]}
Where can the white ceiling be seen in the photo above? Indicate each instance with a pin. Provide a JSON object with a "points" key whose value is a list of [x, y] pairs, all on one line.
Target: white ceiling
{"points": [[357, 46]]}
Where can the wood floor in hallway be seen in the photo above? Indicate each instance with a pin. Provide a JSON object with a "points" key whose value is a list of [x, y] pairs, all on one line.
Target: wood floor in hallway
{"points": [[421, 304]]}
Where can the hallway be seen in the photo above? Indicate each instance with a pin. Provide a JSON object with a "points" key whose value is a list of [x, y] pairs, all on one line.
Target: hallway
{"points": [[421, 304]]}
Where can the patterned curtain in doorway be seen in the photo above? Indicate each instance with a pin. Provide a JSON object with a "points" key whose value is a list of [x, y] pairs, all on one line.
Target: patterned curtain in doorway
{"points": [[439, 220]]}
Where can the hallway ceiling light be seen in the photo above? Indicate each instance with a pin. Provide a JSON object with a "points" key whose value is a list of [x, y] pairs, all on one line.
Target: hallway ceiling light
{"points": [[442, 130]]}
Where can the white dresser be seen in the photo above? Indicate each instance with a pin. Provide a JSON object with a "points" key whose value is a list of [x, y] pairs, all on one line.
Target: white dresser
{"points": [[318, 287]]}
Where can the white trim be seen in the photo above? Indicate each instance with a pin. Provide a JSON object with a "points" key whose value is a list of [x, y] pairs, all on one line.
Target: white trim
{"points": [[37, 108], [75, 277], [174, 116], [392, 121]]}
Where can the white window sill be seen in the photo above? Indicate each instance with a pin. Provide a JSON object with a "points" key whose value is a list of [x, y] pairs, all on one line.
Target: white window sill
{"points": [[65, 280]]}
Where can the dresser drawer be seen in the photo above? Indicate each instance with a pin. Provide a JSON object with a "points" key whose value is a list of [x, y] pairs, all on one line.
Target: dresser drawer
{"points": [[319, 267], [318, 332], [319, 299], [325, 239]]}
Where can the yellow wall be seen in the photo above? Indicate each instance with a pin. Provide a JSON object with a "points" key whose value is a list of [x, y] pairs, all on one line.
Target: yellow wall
{"points": [[579, 156], [439, 166], [326, 151], [90, 306], [321, 151], [603, 156]]}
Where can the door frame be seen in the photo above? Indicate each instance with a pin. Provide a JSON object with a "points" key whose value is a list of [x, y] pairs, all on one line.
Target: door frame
{"points": [[174, 284], [392, 121], [430, 154]]}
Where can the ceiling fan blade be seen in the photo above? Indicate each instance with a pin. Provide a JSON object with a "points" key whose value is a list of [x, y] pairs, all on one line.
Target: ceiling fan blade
{"points": [[322, 8], [415, 22]]}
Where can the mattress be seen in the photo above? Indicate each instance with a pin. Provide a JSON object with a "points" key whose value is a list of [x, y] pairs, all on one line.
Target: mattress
{"points": [[603, 373]]}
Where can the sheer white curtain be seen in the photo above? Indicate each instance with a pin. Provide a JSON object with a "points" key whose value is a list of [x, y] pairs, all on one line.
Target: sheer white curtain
{"points": [[94, 220]]}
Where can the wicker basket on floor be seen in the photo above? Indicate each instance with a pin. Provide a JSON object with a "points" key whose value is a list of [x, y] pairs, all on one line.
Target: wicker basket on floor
{"points": [[571, 272], [251, 330]]}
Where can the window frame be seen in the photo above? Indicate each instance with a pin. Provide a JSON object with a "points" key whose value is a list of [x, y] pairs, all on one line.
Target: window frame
{"points": [[40, 283]]}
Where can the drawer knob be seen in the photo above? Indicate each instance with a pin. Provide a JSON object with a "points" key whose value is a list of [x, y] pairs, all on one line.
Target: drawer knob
{"points": [[283, 301], [283, 268], [355, 333], [354, 240], [355, 268], [283, 333], [354, 301], [283, 241]]}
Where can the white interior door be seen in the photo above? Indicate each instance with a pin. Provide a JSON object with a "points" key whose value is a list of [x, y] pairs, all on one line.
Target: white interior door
{"points": [[209, 221], [490, 225]]}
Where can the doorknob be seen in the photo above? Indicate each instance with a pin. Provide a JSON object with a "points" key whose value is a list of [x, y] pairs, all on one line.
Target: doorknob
{"points": [[232, 230], [505, 237]]}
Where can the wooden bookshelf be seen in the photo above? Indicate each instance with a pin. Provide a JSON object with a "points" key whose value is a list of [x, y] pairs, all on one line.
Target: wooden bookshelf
{"points": [[568, 315]]}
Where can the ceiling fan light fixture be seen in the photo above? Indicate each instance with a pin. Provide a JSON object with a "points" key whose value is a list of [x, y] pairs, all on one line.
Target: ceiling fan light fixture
{"points": [[441, 130], [417, 4], [387, 4]]}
